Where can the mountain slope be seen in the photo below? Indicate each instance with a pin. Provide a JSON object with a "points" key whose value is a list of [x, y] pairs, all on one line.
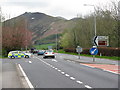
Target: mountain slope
{"points": [[43, 26]]}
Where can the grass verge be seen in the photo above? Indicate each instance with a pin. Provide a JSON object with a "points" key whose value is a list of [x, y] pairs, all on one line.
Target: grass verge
{"points": [[105, 57]]}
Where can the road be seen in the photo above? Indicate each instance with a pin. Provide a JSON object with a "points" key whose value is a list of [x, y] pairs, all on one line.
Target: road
{"points": [[61, 73]]}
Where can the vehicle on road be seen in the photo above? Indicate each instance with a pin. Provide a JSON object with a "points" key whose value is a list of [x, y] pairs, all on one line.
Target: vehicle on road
{"points": [[35, 51], [41, 52], [49, 53], [19, 54]]}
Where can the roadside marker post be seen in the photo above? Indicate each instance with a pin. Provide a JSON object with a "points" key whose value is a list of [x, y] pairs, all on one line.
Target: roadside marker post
{"points": [[79, 50], [94, 51]]}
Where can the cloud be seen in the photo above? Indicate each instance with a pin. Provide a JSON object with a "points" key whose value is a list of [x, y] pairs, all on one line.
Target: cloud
{"points": [[64, 8], [29, 4]]}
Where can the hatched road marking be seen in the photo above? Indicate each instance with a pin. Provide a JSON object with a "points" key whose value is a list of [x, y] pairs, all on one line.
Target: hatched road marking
{"points": [[110, 68]]}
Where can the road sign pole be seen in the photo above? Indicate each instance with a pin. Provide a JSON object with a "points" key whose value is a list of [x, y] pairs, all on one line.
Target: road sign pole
{"points": [[79, 55], [93, 58]]}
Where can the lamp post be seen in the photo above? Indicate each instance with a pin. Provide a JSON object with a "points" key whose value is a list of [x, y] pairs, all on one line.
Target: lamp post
{"points": [[94, 17], [56, 42]]}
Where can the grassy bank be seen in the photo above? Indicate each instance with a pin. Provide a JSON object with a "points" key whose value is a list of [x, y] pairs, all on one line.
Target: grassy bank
{"points": [[105, 57]]}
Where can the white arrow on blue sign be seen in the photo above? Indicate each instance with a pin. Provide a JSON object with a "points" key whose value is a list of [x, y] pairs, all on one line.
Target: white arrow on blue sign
{"points": [[94, 51]]}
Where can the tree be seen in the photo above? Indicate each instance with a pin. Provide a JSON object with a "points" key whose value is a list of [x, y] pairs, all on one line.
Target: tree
{"points": [[83, 31], [15, 35]]}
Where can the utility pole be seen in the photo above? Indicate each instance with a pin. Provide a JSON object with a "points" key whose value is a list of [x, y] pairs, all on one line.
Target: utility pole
{"points": [[26, 33], [94, 18], [56, 42]]}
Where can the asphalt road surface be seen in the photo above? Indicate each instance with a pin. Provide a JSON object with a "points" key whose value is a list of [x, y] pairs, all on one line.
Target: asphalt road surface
{"points": [[60, 73]]}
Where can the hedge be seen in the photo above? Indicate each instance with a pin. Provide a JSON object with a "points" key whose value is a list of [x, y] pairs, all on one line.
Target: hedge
{"points": [[104, 51]]}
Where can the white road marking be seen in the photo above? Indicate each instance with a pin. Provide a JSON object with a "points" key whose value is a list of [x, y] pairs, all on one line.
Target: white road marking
{"points": [[48, 64], [51, 66], [73, 61], [26, 78], [72, 78], [67, 75], [88, 87], [63, 72], [55, 68], [54, 60], [110, 71], [79, 82], [30, 62], [59, 70]]}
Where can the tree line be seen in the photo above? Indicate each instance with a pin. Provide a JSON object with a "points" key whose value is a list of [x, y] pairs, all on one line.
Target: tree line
{"points": [[82, 32]]}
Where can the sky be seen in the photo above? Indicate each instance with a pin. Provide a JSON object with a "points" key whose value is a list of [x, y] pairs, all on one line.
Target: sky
{"points": [[64, 8]]}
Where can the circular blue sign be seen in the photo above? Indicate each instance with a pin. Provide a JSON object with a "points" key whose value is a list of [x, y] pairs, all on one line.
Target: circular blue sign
{"points": [[93, 51]]}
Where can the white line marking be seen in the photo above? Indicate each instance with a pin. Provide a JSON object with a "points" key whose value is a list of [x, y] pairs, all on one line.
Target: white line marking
{"points": [[51, 66], [47, 64], [63, 72], [59, 70], [30, 62], [67, 75], [26, 78], [55, 68], [110, 71], [88, 86], [72, 78], [54, 60], [79, 82]]}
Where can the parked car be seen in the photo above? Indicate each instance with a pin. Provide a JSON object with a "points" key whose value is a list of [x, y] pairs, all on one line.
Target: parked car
{"points": [[41, 52], [19, 54], [49, 53], [35, 51]]}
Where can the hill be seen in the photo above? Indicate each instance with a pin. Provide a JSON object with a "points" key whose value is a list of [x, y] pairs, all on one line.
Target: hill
{"points": [[43, 27]]}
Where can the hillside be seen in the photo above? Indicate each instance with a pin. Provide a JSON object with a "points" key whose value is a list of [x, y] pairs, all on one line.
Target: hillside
{"points": [[43, 26]]}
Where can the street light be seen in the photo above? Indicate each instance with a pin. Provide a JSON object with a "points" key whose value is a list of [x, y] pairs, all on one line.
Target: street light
{"points": [[94, 16]]}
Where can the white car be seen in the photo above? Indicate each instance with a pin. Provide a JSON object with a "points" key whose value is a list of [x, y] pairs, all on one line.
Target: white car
{"points": [[19, 54], [49, 53]]}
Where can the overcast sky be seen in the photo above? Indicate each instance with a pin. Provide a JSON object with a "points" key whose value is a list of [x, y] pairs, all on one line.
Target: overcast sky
{"points": [[65, 8]]}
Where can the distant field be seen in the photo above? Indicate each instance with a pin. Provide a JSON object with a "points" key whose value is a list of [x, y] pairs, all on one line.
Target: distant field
{"points": [[44, 46]]}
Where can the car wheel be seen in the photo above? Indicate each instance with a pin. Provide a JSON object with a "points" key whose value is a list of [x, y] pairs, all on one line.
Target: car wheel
{"points": [[26, 56], [12, 57], [53, 56]]}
